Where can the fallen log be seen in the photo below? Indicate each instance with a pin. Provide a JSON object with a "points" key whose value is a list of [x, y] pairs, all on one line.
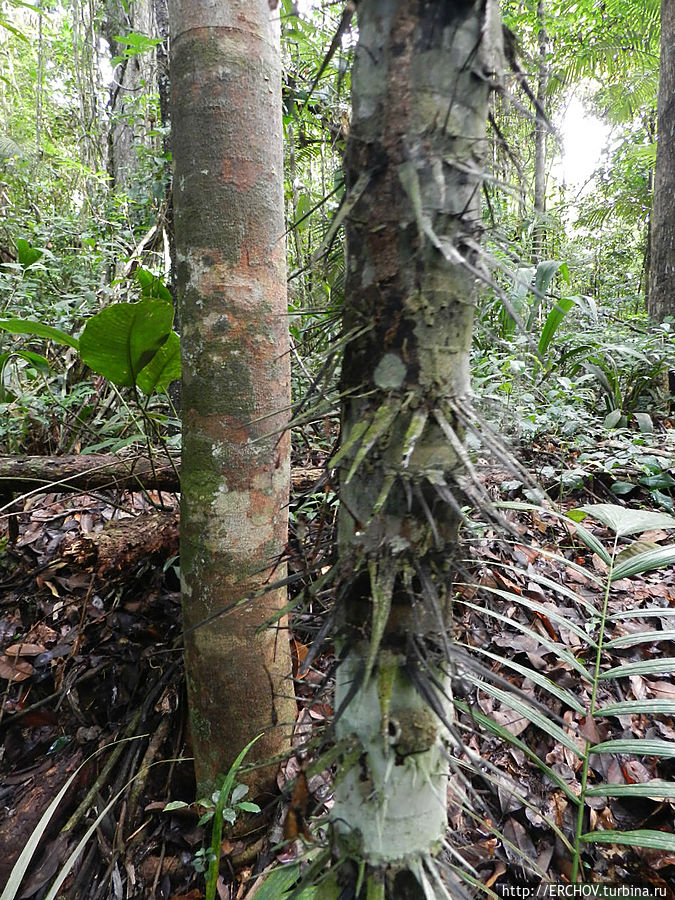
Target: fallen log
{"points": [[124, 543], [39, 474], [23, 474]]}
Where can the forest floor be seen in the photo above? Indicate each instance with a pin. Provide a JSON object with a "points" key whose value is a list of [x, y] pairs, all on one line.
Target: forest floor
{"points": [[90, 659]]}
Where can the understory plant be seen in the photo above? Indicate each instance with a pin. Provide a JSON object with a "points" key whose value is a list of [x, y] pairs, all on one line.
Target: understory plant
{"points": [[625, 557], [131, 344], [224, 806]]}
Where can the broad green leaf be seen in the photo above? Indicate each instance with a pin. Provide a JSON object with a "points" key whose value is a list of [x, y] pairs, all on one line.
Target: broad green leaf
{"points": [[40, 330], [175, 804], [121, 340], [645, 423], [35, 359], [619, 488], [645, 667], [656, 789], [553, 321], [651, 840], [637, 707], [248, 806], [512, 306], [278, 882], [648, 560], [303, 208], [239, 792], [625, 521], [660, 480], [163, 368], [665, 501], [153, 286], [637, 747], [613, 419], [136, 43], [545, 272], [642, 637], [26, 254]]}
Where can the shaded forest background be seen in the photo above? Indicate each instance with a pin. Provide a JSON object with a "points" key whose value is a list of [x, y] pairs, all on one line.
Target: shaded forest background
{"points": [[567, 366]]}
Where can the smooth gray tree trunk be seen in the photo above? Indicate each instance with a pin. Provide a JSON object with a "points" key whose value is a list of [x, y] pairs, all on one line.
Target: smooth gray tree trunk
{"points": [[231, 273]]}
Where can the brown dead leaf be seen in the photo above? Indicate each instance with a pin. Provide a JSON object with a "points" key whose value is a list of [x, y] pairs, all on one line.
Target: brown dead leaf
{"points": [[499, 870], [634, 772], [589, 730], [516, 834], [514, 723], [226, 847], [602, 819], [522, 553], [662, 690], [15, 669], [478, 853], [24, 649], [320, 711], [41, 633], [639, 687], [43, 582], [298, 653], [658, 534]]}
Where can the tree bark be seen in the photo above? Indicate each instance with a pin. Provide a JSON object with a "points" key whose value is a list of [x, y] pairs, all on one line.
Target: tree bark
{"points": [[540, 135], [132, 81], [661, 295], [228, 198], [420, 84]]}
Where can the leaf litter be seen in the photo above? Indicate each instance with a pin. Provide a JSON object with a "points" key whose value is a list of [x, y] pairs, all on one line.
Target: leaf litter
{"points": [[90, 654]]}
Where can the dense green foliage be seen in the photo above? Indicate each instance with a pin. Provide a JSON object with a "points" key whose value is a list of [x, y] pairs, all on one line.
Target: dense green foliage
{"points": [[565, 361], [71, 241]]}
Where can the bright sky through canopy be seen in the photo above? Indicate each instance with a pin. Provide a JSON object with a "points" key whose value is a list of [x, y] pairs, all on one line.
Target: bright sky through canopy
{"points": [[584, 137]]}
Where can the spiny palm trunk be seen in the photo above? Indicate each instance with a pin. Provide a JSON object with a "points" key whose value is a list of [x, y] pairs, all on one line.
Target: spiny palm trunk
{"points": [[420, 87]]}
